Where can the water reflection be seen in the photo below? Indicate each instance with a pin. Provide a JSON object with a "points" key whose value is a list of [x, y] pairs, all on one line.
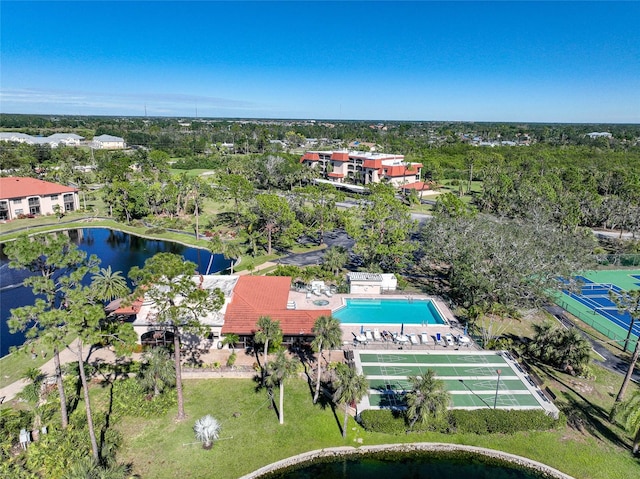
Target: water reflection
{"points": [[117, 249]]}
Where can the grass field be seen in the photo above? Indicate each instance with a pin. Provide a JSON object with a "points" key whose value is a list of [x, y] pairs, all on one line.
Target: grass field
{"points": [[251, 437]]}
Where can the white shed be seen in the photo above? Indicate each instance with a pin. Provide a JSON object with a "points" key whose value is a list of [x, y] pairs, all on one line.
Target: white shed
{"points": [[389, 282], [365, 283]]}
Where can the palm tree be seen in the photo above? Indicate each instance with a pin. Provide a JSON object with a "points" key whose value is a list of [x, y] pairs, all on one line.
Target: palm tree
{"points": [[207, 430], [543, 344], [231, 251], [428, 399], [88, 468], [31, 394], [158, 371], [574, 350], [350, 387], [335, 258], [231, 339], [278, 371], [328, 334], [268, 330], [629, 412], [228, 249], [108, 285]]}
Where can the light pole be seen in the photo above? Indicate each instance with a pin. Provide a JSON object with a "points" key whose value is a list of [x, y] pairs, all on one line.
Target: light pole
{"points": [[495, 399]]}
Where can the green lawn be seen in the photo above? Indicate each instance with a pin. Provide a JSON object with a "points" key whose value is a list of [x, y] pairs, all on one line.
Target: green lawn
{"points": [[14, 366], [251, 437]]}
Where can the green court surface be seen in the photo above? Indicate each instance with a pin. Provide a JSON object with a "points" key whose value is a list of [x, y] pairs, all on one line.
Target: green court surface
{"points": [[620, 277], [627, 280], [432, 358], [470, 377]]}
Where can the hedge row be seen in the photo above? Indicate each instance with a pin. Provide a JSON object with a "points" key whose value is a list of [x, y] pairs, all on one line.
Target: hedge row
{"points": [[483, 421], [475, 421]]}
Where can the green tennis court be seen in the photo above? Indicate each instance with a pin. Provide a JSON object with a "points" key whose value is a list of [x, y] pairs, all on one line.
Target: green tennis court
{"points": [[478, 379], [594, 307]]}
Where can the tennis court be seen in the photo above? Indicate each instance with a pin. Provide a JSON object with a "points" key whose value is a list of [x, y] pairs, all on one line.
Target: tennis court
{"points": [[594, 304], [475, 379]]}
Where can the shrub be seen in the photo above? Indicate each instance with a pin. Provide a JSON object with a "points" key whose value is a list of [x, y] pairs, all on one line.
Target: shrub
{"points": [[382, 420], [156, 230], [207, 430], [231, 360], [486, 421], [130, 399]]}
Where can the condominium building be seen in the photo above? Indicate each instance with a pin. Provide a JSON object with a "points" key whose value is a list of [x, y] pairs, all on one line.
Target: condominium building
{"points": [[364, 167], [29, 196]]}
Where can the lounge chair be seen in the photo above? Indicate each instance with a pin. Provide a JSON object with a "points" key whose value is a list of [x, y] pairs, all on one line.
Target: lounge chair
{"points": [[414, 338], [328, 293], [316, 292], [424, 338], [367, 334], [449, 339], [376, 335], [439, 340]]}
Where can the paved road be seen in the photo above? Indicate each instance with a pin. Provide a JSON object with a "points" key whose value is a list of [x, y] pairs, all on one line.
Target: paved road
{"points": [[333, 238]]}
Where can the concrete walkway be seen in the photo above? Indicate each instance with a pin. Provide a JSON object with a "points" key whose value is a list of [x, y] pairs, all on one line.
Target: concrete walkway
{"points": [[244, 366], [67, 355]]}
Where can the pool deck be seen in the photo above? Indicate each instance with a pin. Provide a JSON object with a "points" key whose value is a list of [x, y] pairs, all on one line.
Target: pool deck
{"points": [[336, 301]]}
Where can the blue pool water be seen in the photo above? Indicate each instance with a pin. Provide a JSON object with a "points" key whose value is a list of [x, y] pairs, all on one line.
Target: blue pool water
{"points": [[389, 311]]}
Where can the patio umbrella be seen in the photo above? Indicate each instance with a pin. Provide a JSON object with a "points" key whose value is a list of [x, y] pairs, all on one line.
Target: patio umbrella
{"points": [[402, 330], [465, 329]]}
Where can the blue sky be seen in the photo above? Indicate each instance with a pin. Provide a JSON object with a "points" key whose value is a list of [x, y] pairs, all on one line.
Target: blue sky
{"points": [[461, 61]]}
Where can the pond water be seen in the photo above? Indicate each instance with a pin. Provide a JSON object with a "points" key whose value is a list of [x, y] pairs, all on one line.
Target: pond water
{"points": [[416, 465], [117, 249]]}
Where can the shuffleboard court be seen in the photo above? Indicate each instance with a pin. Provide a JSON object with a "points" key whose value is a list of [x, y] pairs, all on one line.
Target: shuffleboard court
{"points": [[452, 385], [414, 359], [450, 371], [478, 379]]}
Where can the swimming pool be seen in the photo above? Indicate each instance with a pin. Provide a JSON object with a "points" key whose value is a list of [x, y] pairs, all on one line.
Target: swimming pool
{"points": [[389, 311]]}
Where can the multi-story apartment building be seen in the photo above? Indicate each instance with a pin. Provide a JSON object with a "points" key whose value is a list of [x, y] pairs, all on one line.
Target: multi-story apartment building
{"points": [[363, 167], [29, 196]]}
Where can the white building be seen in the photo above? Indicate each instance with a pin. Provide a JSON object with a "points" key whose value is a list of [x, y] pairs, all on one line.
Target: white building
{"points": [[365, 283], [363, 167], [67, 139], [29, 196], [108, 142]]}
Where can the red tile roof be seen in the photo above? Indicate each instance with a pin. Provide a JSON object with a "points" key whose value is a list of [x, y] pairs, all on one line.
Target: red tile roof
{"points": [[401, 170], [336, 175], [372, 163], [116, 307], [16, 187], [418, 185], [340, 156], [255, 296], [308, 156]]}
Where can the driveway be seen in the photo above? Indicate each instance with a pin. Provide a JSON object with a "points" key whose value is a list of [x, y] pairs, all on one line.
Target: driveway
{"points": [[333, 238]]}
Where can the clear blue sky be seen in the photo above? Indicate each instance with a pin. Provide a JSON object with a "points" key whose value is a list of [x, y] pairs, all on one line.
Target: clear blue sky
{"points": [[467, 61]]}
